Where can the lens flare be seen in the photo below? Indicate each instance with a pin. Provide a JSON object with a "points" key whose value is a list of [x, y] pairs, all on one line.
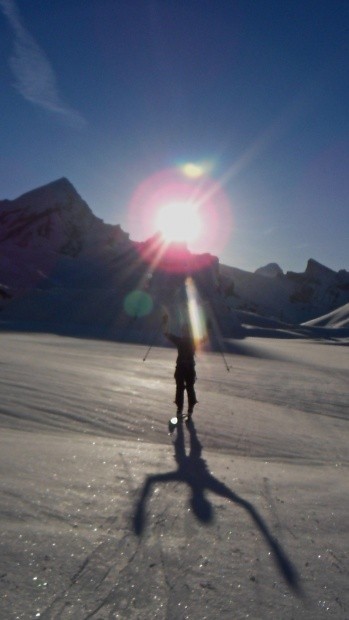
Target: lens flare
{"points": [[193, 171], [138, 304], [195, 312]]}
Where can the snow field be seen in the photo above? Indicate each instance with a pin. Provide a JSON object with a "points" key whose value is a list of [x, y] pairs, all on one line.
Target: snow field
{"points": [[104, 515]]}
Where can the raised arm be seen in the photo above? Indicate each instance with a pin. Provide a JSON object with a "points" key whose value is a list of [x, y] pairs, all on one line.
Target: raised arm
{"points": [[171, 337]]}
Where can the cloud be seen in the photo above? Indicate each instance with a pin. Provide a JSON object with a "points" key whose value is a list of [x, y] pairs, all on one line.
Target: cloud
{"points": [[35, 78]]}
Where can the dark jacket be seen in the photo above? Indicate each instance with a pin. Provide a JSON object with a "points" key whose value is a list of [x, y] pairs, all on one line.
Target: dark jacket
{"points": [[185, 347]]}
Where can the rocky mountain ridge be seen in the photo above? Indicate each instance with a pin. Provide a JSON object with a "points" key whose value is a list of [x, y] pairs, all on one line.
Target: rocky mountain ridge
{"points": [[60, 263]]}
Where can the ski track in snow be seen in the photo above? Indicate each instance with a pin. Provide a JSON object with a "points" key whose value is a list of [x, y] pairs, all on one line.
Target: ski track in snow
{"points": [[104, 515]]}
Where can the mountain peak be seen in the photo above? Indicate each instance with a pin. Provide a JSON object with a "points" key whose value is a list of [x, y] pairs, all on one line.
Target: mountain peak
{"points": [[316, 269], [59, 191], [62, 182], [271, 270], [52, 215]]}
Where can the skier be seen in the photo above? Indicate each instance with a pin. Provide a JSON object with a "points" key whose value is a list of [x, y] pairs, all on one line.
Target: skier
{"points": [[185, 374]]}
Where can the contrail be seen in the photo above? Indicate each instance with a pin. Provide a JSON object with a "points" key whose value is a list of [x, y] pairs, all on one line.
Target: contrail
{"points": [[35, 78]]}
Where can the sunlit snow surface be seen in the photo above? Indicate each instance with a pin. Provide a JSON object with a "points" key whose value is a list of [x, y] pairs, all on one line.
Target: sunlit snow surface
{"points": [[104, 515]]}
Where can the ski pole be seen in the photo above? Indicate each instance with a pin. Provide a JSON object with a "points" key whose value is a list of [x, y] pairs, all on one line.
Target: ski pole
{"points": [[218, 337], [148, 351], [225, 361], [150, 347], [222, 353], [164, 324]]}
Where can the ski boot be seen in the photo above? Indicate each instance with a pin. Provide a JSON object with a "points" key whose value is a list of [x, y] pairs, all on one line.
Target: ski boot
{"points": [[180, 416]]}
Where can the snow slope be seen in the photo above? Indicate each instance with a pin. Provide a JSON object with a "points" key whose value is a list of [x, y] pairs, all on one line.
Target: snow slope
{"points": [[339, 319], [103, 515]]}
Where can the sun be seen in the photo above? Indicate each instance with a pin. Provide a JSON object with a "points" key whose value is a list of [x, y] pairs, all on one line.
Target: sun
{"points": [[179, 222]]}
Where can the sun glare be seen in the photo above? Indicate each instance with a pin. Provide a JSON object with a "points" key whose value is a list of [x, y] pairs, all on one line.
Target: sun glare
{"points": [[184, 205], [179, 222]]}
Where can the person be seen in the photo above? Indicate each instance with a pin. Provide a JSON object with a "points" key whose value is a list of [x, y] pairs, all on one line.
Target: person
{"points": [[185, 375]]}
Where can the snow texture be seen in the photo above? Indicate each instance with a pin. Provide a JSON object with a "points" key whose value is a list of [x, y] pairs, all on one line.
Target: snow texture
{"points": [[104, 515]]}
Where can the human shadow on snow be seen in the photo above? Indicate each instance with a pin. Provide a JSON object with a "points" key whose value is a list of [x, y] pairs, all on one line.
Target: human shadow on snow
{"points": [[193, 471]]}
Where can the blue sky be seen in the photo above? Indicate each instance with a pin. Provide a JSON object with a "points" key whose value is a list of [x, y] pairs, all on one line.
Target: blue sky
{"points": [[109, 93]]}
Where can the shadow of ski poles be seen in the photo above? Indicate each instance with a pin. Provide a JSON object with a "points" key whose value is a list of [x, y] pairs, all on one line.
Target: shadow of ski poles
{"points": [[193, 470]]}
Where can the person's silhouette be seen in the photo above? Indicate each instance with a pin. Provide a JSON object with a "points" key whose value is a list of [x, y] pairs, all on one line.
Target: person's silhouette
{"points": [[192, 470]]}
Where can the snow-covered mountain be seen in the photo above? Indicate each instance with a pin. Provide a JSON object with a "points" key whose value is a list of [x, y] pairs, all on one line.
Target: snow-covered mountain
{"points": [[337, 319], [61, 265], [291, 297], [270, 271]]}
